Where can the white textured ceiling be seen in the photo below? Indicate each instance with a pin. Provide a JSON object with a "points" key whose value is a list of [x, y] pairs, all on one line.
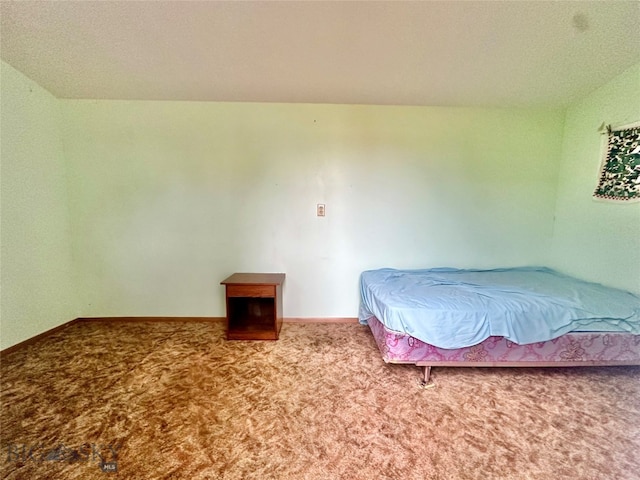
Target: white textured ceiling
{"points": [[485, 53]]}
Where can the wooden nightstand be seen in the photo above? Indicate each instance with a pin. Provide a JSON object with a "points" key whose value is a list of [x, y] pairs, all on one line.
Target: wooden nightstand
{"points": [[254, 305]]}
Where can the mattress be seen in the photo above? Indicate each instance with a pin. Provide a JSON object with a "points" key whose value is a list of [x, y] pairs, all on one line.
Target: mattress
{"points": [[453, 308]]}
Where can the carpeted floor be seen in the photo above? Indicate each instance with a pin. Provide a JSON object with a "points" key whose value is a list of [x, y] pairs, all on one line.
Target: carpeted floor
{"points": [[175, 400]]}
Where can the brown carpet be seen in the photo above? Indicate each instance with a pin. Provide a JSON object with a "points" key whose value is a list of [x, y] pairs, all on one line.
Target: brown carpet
{"points": [[175, 400]]}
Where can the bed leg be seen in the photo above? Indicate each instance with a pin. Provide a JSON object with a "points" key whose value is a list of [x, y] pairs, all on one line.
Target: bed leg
{"points": [[425, 380]]}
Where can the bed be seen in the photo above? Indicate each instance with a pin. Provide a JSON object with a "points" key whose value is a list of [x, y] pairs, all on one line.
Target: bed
{"points": [[527, 316]]}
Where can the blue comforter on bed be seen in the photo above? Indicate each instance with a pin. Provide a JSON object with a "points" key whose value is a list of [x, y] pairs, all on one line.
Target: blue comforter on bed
{"points": [[452, 308]]}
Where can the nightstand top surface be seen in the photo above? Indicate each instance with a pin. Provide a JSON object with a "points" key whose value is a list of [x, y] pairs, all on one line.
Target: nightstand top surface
{"points": [[254, 279]]}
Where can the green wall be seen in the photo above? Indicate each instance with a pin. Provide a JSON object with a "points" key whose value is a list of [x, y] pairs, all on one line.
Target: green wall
{"points": [[592, 239], [168, 198], [36, 274], [159, 201]]}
